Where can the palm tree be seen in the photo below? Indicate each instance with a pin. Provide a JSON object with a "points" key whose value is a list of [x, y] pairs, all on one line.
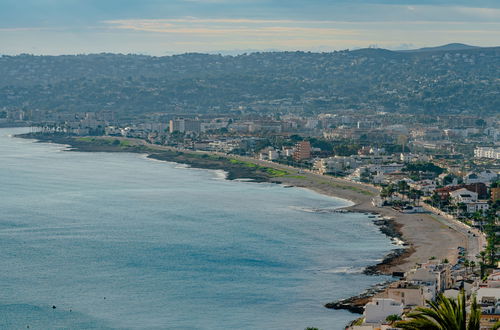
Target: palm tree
{"points": [[443, 314], [393, 318], [402, 187], [472, 265], [482, 255], [466, 265]]}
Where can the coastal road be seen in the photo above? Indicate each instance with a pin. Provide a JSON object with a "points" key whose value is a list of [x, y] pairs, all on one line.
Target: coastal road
{"points": [[476, 240]]}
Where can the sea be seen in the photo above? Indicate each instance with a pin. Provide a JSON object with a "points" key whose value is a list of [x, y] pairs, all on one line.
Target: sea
{"points": [[120, 241]]}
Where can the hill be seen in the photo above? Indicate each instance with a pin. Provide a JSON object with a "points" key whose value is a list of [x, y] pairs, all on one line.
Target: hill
{"points": [[433, 80], [448, 47]]}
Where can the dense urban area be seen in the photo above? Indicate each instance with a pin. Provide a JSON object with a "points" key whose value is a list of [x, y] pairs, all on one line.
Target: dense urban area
{"points": [[429, 142]]}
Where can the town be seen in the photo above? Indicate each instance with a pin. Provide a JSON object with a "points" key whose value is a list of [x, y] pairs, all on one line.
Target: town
{"points": [[444, 165]]}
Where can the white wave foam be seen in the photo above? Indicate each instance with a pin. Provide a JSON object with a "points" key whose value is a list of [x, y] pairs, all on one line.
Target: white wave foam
{"points": [[315, 210], [345, 270], [397, 241], [220, 175]]}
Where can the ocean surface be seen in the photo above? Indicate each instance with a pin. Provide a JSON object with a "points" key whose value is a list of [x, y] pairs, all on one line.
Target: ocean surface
{"points": [[119, 241]]}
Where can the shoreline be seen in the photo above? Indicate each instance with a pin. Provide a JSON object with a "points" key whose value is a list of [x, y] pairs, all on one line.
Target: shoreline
{"points": [[422, 239]]}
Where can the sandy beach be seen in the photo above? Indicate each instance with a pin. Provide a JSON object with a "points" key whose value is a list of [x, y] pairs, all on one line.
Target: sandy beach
{"points": [[427, 235]]}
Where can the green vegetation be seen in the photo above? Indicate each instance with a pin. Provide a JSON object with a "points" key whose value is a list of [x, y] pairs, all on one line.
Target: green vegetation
{"points": [[239, 162], [393, 318], [271, 171], [444, 313], [275, 172], [105, 141], [346, 149], [423, 167]]}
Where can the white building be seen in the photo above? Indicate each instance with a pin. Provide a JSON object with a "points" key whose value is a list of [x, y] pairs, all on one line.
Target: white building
{"points": [[336, 164], [184, 125], [273, 154], [489, 300], [378, 309], [386, 168], [477, 207], [425, 186], [480, 177], [487, 152], [463, 196]]}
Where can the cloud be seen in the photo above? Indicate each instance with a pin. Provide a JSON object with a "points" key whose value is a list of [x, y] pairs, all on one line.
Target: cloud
{"points": [[242, 27], [207, 25]]}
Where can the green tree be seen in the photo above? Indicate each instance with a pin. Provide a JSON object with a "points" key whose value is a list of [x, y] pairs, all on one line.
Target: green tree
{"points": [[387, 191], [444, 314], [463, 208], [403, 187], [393, 318]]}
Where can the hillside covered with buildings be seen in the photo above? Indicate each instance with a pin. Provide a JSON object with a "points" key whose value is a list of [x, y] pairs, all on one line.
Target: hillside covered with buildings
{"points": [[431, 81]]}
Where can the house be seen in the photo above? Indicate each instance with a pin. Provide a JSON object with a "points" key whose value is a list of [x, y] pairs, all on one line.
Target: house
{"points": [[463, 196], [378, 309], [485, 152], [408, 294], [493, 280], [486, 176], [431, 273], [425, 186], [479, 188], [335, 164], [489, 301], [469, 199], [386, 168], [480, 206], [273, 154]]}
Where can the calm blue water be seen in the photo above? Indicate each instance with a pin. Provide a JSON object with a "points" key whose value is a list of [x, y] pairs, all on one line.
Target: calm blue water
{"points": [[117, 241]]}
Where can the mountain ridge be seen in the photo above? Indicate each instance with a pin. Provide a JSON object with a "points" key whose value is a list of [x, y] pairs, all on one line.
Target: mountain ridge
{"points": [[432, 81]]}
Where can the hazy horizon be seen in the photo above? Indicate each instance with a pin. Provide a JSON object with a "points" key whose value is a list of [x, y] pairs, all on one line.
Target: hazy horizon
{"points": [[153, 27], [236, 52]]}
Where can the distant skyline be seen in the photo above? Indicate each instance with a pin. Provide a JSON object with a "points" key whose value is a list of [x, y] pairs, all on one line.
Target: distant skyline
{"points": [[157, 27]]}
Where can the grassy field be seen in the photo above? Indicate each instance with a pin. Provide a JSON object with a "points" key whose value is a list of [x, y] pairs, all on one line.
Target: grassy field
{"points": [[271, 171]]}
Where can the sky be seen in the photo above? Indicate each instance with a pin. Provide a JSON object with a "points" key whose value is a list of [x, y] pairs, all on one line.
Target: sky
{"points": [[165, 27]]}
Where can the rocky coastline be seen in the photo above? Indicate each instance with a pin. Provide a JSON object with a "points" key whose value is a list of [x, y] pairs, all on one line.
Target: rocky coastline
{"points": [[234, 170], [356, 303]]}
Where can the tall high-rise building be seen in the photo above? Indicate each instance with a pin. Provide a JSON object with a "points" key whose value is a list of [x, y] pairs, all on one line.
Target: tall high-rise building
{"points": [[302, 151], [184, 126]]}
